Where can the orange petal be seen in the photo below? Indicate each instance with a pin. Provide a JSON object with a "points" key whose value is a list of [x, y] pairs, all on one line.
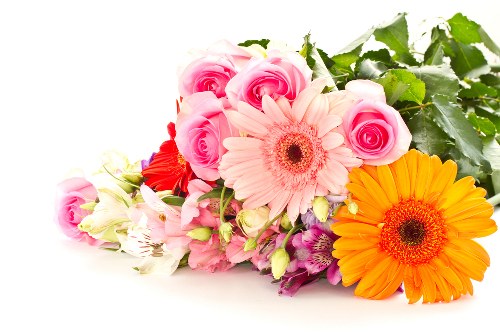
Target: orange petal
{"points": [[388, 184]]}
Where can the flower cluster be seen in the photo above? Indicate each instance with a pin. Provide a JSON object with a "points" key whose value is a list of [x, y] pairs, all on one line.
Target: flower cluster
{"points": [[267, 165]]}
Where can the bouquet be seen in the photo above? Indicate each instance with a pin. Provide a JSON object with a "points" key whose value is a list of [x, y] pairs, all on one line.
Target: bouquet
{"points": [[368, 167]]}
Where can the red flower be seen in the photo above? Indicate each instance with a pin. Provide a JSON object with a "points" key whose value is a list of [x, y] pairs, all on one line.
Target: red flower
{"points": [[168, 170]]}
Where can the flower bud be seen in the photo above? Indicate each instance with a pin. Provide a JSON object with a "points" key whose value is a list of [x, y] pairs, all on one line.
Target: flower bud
{"points": [[252, 221], [250, 244], [279, 262], [321, 208], [200, 233], [285, 222], [226, 231]]}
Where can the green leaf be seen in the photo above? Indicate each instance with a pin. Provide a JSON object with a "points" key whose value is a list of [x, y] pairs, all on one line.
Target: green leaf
{"points": [[491, 80], [488, 42], [324, 56], [464, 30], [482, 124], [467, 31], [491, 151], [469, 61], [216, 193], [438, 80], [174, 200], [369, 69], [451, 119], [434, 54], [402, 85], [348, 55], [394, 34], [315, 61], [427, 136], [465, 166], [372, 64], [492, 115], [261, 42], [477, 89]]}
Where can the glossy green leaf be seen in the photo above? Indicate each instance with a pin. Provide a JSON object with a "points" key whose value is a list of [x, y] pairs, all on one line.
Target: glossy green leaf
{"points": [[402, 85], [451, 119], [394, 34], [438, 80], [464, 30], [477, 89], [469, 61], [482, 124], [174, 200], [427, 135], [261, 42]]}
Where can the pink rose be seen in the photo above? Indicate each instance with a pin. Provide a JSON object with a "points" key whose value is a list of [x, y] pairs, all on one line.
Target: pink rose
{"points": [[374, 130], [208, 74], [280, 74], [201, 128], [212, 69], [72, 193]]}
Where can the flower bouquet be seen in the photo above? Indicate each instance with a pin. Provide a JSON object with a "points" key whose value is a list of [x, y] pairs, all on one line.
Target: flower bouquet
{"points": [[368, 167]]}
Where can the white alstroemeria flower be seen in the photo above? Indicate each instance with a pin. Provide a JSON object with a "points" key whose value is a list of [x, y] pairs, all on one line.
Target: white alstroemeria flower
{"points": [[112, 214], [118, 164], [157, 259]]}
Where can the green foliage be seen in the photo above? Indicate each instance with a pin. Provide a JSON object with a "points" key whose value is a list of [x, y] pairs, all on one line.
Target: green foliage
{"points": [[216, 193], [448, 94], [261, 42], [402, 85], [174, 200]]}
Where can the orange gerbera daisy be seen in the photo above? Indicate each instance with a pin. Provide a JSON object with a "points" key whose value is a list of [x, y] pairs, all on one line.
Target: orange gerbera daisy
{"points": [[414, 225]]}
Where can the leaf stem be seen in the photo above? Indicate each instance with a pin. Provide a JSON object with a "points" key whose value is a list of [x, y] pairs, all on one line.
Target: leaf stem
{"points": [[421, 106], [494, 200], [124, 181]]}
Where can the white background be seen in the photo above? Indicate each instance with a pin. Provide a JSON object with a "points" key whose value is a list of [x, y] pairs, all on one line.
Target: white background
{"points": [[80, 77]]}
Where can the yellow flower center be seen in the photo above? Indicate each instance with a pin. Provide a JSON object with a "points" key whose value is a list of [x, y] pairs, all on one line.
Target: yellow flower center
{"points": [[413, 232]]}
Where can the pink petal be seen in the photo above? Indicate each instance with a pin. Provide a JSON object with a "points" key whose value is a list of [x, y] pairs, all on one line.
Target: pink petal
{"points": [[242, 143], [317, 110], [332, 140], [340, 102], [245, 123], [262, 198], [345, 156], [294, 206], [327, 124], [257, 115], [240, 169], [285, 107], [305, 98], [307, 198], [234, 157], [272, 110], [278, 204], [366, 89]]}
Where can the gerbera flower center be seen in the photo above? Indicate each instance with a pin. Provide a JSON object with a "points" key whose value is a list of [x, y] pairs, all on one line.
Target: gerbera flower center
{"points": [[413, 232], [294, 154]]}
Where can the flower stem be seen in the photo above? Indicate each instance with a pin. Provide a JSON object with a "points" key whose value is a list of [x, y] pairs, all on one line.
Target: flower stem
{"points": [[268, 224], [494, 200], [290, 233], [421, 106], [124, 181], [221, 211], [226, 204]]}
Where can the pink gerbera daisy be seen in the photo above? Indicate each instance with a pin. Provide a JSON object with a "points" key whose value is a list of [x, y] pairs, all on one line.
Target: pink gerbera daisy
{"points": [[290, 153]]}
